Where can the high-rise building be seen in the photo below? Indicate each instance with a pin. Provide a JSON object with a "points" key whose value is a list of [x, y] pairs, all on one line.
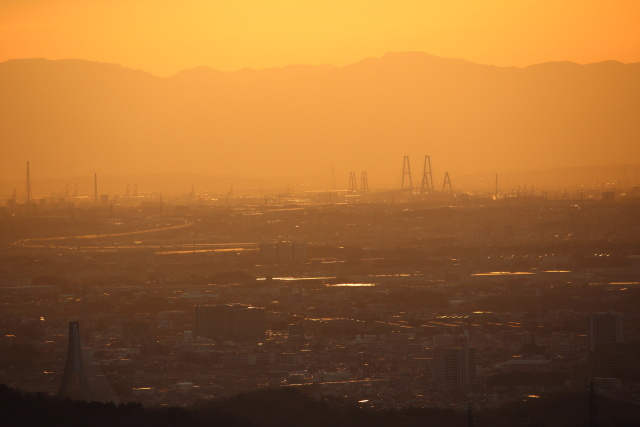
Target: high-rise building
{"points": [[448, 340], [615, 360], [298, 252], [609, 355], [268, 251], [229, 321], [454, 366], [603, 328], [283, 252]]}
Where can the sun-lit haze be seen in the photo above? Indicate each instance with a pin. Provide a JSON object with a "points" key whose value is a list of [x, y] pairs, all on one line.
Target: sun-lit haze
{"points": [[303, 92], [167, 36], [319, 212]]}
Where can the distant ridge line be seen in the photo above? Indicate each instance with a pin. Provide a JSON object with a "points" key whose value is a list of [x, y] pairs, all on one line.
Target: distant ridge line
{"points": [[385, 56]]}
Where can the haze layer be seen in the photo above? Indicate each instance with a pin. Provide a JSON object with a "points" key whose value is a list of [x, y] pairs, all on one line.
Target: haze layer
{"points": [[75, 117]]}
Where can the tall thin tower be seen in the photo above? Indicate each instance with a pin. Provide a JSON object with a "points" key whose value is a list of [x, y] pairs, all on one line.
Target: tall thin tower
{"points": [[593, 414], [364, 182], [74, 366], [406, 175], [353, 184], [427, 177], [28, 195], [95, 187], [333, 179], [447, 182]]}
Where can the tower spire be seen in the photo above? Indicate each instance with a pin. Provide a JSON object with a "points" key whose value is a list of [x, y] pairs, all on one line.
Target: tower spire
{"points": [[28, 195], [447, 182], [406, 173], [427, 177], [74, 367], [353, 184], [364, 182]]}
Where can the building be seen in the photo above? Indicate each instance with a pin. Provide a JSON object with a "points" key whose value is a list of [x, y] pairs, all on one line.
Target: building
{"points": [[448, 340], [229, 321], [454, 367], [603, 328], [298, 252], [616, 360], [268, 251], [137, 332], [283, 252]]}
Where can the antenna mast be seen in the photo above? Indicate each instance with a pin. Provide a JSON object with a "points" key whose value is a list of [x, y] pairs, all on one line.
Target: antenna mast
{"points": [[28, 195], [333, 178]]}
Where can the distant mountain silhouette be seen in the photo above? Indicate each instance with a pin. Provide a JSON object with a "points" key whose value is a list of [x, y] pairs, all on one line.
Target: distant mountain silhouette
{"points": [[73, 117]]}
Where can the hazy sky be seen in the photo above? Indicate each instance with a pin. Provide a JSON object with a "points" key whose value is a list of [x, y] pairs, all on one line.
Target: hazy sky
{"points": [[165, 36]]}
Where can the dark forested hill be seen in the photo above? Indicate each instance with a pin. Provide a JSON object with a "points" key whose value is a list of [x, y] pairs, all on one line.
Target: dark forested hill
{"points": [[289, 408]]}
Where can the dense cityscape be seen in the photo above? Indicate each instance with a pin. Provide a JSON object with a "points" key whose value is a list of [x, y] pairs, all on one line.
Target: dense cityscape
{"points": [[319, 213], [419, 301]]}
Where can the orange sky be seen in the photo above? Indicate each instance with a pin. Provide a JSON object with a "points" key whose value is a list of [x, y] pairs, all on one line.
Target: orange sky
{"points": [[166, 36]]}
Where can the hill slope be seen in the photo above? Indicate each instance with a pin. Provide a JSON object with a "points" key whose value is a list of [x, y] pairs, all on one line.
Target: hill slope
{"points": [[74, 117]]}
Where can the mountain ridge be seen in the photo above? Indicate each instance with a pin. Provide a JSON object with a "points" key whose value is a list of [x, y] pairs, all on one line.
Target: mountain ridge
{"points": [[290, 66], [72, 117]]}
